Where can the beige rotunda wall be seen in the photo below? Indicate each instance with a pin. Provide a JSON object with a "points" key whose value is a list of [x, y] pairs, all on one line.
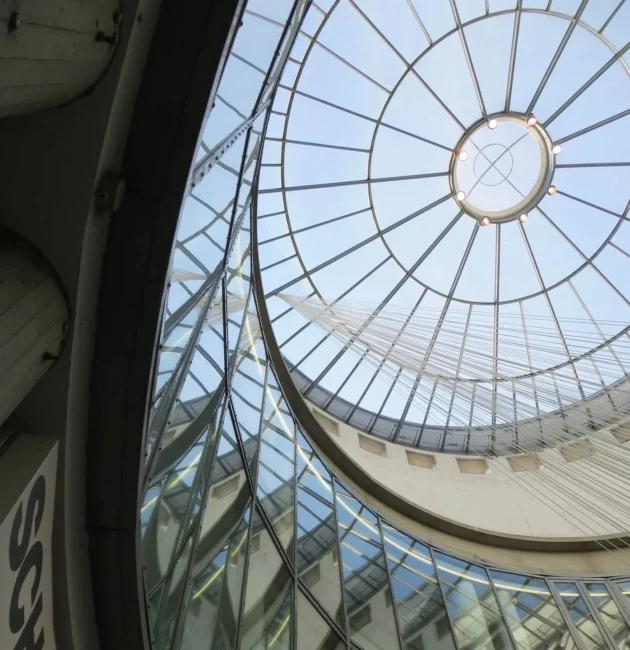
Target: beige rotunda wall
{"points": [[534, 503]]}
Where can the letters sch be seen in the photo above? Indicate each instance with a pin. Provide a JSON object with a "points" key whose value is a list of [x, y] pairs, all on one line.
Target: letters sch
{"points": [[25, 557]]}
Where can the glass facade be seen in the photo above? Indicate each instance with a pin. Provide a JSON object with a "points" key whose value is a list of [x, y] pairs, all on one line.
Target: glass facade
{"points": [[248, 540]]}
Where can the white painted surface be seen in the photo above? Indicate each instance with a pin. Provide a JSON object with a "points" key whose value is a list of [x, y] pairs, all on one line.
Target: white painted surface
{"points": [[50, 52], [28, 475], [500, 501], [33, 320]]}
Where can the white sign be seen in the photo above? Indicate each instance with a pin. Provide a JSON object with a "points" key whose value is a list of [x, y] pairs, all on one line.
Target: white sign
{"points": [[26, 523]]}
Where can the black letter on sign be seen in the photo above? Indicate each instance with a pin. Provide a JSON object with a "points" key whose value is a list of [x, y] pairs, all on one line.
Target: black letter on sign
{"points": [[17, 548], [27, 639], [34, 559]]}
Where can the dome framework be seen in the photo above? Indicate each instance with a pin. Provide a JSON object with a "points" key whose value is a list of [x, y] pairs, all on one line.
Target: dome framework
{"points": [[439, 257]]}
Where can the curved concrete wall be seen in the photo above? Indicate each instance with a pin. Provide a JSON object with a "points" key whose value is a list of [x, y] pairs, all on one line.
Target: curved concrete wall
{"points": [[52, 52], [34, 318], [501, 500]]}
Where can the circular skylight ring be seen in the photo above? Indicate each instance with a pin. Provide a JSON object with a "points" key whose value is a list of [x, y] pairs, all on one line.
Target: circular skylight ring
{"points": [[491, 167]]}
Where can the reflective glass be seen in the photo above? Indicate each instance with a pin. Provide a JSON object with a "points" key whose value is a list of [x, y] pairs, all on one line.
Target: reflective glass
{"points": [[419, 605], [202, 384], [267, 618], [609, 613], [317, 550], [171, 601], [248, 393], [276, 471], [471, 604], [217, 582], [590, 635], [168, 516], [313, 633], [366, 586], [624, 588], [238, 277], [531, 612]]}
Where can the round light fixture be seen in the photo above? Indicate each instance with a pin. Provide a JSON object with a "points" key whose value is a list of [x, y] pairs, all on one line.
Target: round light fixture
{"points": [[462, 155], [485, 221], [532, 121], [493, 123], [460, 195], [551, 190], [556, 149], [523, 218]]}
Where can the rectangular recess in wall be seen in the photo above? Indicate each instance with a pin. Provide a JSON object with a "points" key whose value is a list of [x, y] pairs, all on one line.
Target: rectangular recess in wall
{"points": [[425, 461], [225, 489], [577, 450], [359, 620], [525, 462], [621, 432], [312, 576], [473, 466], [328, 424], [373, 446]]}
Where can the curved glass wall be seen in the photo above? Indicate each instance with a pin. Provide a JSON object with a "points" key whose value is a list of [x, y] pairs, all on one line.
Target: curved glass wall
{"points": [[248, 540]]}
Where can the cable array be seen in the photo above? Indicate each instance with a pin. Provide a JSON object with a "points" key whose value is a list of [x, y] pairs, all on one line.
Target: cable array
{"points": [[553, 390]]}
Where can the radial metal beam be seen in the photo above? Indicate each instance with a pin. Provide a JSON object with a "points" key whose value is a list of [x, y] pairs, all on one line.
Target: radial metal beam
{"points": [[592, 164], [469, 61], [612, 15], [409, 67], [556, 56], [578, 93], [366, 241], [438, 327], [513, 51], [313, 226], [362, 181], [422, 27], [593, 127], [304, 143], [593, 205], [367, 118]]}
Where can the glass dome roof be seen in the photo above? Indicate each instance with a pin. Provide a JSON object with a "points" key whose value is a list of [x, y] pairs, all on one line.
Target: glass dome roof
{"points": [[443, 210]]}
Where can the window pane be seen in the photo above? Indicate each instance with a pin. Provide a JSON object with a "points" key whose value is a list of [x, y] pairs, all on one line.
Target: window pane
{"points": [[421, 613], [313, 633], [266, 621], [215, 595], [581, 616], [531, 612], [317, 550], [276, 471], [366, 586], [609, 613], [471, 605]]}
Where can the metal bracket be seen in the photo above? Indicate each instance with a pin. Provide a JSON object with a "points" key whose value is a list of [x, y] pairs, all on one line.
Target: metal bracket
{"points": [[110, 193]]}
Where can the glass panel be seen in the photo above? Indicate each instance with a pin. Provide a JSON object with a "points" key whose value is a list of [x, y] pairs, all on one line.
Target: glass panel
{"points": [[201, 387], [471, 604], [179, 502], [624, 587], [276, 471], [317, 550], [248, 392], [366, 586], [531, 612], [171, 602], [581, 616], [421, 613], [609, 613], [215, 596], [266, 622], [238, 274], [313, 633]]}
